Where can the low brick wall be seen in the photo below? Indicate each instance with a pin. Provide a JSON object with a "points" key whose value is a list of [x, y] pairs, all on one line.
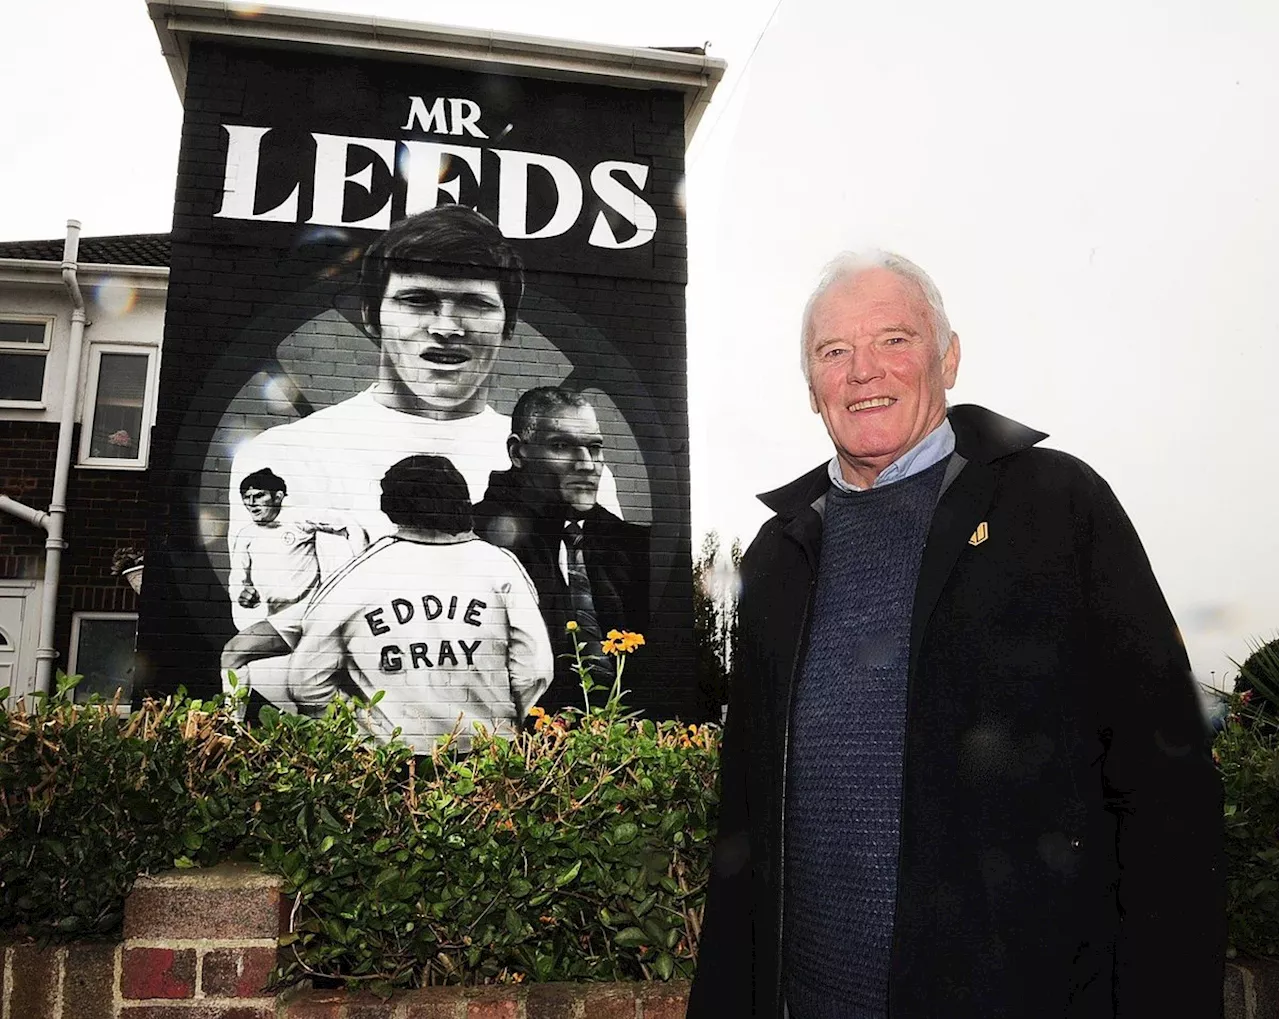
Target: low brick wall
{"points": [[199, 944]]}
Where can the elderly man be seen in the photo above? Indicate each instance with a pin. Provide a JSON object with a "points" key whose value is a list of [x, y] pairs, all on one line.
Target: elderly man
{"points": [[587, 564], [964, 773]]}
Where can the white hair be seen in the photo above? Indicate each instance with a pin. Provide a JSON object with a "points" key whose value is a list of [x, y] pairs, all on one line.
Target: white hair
{"points": [[851, 263]]}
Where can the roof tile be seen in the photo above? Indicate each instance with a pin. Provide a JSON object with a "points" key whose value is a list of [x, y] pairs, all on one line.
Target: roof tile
{"points": [[122, 249]]}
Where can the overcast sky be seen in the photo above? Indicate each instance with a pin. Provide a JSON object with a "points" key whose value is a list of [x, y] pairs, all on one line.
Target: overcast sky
{"points": [[1092, 186]]}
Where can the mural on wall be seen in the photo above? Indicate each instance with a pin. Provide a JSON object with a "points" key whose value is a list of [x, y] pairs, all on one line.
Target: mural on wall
{"points": [[422, 400]]}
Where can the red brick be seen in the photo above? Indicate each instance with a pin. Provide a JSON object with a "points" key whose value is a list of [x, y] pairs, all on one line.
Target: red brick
{"points": [[35, 981], [198, 1010], [436, 1003], [553, 1001], [309, 1004], [495, 1003], [88, 981], [227, 901], [610, 1001], [236, 972], [365, 1006], [158, 973], [664, 1001]]}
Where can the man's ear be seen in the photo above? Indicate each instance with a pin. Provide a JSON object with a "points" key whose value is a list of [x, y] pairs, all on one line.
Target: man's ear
{"points": [[813, 400], [951, 362], [514, 451]]}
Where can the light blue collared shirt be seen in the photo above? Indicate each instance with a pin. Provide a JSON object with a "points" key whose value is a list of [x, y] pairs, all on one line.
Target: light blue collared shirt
{"points": [[937, 445]]}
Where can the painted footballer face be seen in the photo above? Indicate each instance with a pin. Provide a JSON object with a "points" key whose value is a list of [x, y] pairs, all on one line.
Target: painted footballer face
{"points": [[564, 458], [263, 506], [440, 339]]}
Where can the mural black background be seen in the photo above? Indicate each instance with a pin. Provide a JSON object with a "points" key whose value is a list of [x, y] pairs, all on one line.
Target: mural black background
{"points": [[237, 288]]}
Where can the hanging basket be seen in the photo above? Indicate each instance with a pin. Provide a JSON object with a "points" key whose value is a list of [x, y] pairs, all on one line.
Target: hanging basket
{"points": [[134, 576]]}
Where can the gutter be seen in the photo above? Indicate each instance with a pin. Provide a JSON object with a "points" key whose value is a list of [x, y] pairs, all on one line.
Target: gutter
{"points": [[179, 22], [54, 521]]}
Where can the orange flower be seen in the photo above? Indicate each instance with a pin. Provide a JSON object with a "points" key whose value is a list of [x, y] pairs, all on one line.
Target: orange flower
{"points": [[620, 642]]}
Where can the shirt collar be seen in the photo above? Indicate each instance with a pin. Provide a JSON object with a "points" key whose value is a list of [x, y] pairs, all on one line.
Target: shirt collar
{"points": [[937, 445]]}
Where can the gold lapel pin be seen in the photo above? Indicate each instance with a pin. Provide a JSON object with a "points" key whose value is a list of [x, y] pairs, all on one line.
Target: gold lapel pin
{"points": [[979, 535]]}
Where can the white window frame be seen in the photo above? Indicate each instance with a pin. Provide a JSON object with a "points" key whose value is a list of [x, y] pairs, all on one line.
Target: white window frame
{"points": [[32, 350], [139, 463], [73, 654]]}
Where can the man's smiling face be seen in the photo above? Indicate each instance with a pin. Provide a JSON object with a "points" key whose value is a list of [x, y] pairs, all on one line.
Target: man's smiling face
{"points": [[875, 372], [440, 339]]}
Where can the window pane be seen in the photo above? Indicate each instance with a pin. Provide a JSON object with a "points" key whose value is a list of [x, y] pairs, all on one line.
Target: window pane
{"points": [[104, 657], [117, 412], [22, 332], [21, 376]]}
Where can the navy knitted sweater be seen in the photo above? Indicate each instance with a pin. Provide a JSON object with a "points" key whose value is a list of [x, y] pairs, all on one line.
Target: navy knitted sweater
{"points": [[844, 777]]}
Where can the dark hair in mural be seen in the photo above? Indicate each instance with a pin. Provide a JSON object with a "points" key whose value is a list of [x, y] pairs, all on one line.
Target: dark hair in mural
{"points": [[428, 493], [266, 480], [450, 241], [535, 404]]}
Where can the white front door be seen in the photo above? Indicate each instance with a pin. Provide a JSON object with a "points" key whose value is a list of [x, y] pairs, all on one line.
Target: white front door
{"points": [[19, 629]]}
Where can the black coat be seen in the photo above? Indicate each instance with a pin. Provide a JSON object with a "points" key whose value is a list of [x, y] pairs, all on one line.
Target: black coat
{"points": [[615, 553], [1061, 818]]}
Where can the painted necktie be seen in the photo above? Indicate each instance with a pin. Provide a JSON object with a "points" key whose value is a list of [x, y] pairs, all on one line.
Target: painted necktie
{"points": [[584, 608]]}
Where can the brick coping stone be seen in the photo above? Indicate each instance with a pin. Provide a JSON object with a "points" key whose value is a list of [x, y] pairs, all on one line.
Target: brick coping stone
{"points": [[509, 1001]]}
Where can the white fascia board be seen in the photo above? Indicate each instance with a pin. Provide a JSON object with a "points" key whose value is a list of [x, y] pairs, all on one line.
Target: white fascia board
{"points": [[179, 21], [40, 272]]}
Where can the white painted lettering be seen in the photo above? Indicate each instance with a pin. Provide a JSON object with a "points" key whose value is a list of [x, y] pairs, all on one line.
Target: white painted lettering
{"points": [[331, 179], [240, 185], [465, 114], [619, 198], [433, 121], [429, 170], [513, 194]]}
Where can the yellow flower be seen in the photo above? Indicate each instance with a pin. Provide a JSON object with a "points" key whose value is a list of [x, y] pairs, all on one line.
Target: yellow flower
{"points": [[618, 642], [570, 626], [537, 712]]}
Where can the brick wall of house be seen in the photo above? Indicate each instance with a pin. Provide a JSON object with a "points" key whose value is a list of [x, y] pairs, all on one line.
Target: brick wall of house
{"points": [[105, 510], [242, 291], [202, 945]]}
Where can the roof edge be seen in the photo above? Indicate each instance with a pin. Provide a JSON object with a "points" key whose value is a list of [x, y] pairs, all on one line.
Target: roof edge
{"points": [[17, 269], [177, 22]]}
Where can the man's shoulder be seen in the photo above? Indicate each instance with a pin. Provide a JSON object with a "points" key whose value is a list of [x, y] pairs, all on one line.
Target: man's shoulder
{"points": [[1050, 470], [602, 521]]}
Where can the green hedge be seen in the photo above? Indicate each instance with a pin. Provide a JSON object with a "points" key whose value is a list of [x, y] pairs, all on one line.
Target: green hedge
{"points": [[576, 851], [1247, 752]]}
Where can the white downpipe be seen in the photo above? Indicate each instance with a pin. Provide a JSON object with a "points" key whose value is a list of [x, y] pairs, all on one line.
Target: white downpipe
{"points": [[46, 653], [34, 517]]}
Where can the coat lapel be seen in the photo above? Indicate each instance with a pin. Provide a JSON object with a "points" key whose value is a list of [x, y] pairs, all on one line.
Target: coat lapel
{"points": [[962, 507]]}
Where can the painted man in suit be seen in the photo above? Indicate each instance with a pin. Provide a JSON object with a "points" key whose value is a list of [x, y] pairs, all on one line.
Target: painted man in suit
{"points": [[588, 565]]}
